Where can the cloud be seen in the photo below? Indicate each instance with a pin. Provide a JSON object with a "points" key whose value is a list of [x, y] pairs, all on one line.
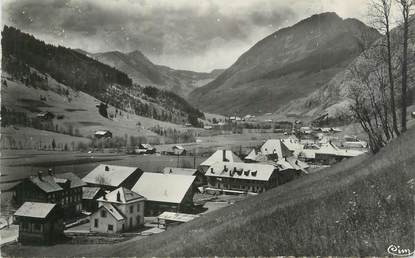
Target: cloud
{"points": [[196, 35]]}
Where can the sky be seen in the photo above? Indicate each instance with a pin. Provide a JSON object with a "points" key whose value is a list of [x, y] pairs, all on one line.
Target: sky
{"points": [[198, 35]]}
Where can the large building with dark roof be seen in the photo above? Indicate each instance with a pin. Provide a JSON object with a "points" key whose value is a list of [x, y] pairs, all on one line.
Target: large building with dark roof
{"points": [[62, 189]]}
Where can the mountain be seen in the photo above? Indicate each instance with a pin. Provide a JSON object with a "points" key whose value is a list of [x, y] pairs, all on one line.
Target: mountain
{"points": [[35, 64], [333, 97], [288, 64], [145, 73]]}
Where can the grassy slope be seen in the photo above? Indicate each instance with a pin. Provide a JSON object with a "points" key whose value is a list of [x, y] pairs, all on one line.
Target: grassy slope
{"points": [[83, 112], [357, 207]]}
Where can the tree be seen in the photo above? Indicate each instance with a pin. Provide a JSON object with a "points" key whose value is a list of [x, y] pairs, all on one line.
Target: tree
{"points": [[406, 7], [53, 144], [381, 17]]}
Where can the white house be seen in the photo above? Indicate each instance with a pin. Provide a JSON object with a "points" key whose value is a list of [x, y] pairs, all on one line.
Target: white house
{"points": [[118, 211]]}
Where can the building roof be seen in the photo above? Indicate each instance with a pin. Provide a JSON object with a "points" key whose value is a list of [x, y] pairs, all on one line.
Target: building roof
{"points": [[112, 210], [175, 216], [125, 196], [256, 156], [46, 183], [74, 179], [51, 183], [102, 132], [109, 175], [275, 146], [146, 146], [163, 187], [218, 156], [179, 147], [180, 171], [89, 193], [240, 170], [35, 209]]}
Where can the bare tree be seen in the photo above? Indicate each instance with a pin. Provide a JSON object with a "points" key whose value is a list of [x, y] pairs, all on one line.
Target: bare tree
{"points": [[406, 7], [381, 18]]}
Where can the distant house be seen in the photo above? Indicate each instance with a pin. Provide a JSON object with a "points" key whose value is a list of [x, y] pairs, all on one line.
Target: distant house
{"points": [[102, 134], [118, 211], [207, 127], [63, 189], [40, 223], [145, 148], [90, 194], [219, 155], [110, 177], [45, 115], [200, 177], [165, 192], [178, 150]]}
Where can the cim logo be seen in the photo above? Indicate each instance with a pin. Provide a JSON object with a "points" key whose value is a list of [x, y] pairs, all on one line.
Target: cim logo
{"points": [[398, 251]]}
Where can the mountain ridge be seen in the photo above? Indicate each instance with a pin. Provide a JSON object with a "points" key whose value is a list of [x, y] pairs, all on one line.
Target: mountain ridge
{"points": [[276, 68], [144, 72]]}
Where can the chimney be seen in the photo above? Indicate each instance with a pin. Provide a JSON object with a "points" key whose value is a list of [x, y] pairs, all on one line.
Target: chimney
{"points": [[40, 174], [171, 171], [107, 168], [224, 156], [225, 168], [50, 172], [118, 196]]}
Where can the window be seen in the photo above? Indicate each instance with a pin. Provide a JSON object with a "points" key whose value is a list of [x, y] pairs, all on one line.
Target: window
{"points": [[96, 223], [131, 209], [103, 214], [37, 227], [138, 219], [25, 226], [138, 207], [110, 227]]}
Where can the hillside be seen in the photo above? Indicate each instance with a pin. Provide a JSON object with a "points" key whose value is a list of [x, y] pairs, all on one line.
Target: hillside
{"points": [[288, 64], [34, 63], [333, 98], [145, 73], [356, 208]]}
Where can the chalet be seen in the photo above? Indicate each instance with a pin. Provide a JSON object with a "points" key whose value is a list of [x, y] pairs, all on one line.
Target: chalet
{"points": [[200, 177], [178, 150], [118, 211], [40, 223], [102, 134], [166, 192], [45, 115], [145, 148], [110, 177], [63, 189], [219, 155], [90, 194]]}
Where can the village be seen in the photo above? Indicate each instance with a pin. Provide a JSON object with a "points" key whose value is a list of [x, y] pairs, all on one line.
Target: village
{"points": [[116, 201]]}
